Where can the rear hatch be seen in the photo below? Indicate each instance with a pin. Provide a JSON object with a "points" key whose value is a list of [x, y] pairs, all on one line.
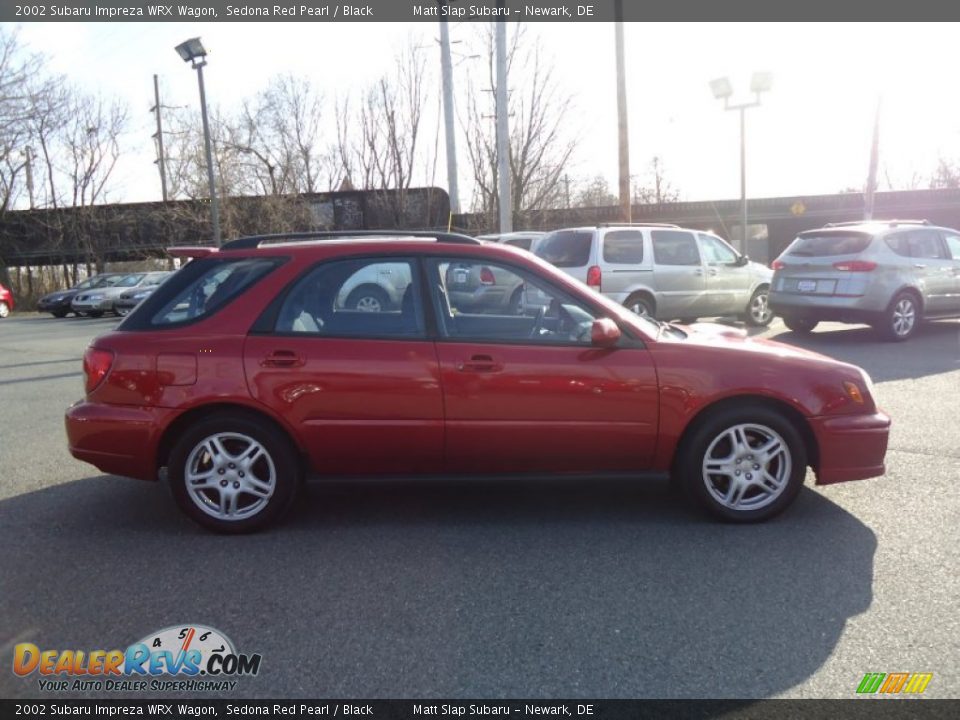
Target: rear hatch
{"points": [[568, 250], [824, 262]]}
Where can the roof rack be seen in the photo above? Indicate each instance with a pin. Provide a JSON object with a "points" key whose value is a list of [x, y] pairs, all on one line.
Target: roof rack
{"points": [[638, 224], [891, 223], [254, 241]]}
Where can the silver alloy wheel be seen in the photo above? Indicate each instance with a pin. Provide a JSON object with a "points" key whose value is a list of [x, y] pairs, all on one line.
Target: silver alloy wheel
{"points": [[4, 310], [369, 303], [640, 308], [747, 467], [904, 316], [230, 476], [760, 311], [123, 312]]}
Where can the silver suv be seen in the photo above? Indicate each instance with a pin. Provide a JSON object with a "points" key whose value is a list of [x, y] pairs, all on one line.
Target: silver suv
{"points": [[663, 270], [889, 274]]}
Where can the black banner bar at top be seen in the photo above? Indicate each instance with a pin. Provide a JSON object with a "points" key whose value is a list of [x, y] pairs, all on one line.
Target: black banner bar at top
{"points": [[464, 11]]}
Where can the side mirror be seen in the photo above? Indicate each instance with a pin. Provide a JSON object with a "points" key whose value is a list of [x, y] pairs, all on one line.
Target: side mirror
{"points": [[742, 260], [604, 332]]}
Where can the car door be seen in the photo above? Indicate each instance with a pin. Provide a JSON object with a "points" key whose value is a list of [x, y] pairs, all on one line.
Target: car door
{"points": [[361, 388], [528, 392], [952, 239], [678, 275], [727, 282], [932, 268]]}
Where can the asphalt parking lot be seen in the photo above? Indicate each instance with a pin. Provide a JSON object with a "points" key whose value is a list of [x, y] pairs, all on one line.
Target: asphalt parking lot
{"points": [[533, 590]]}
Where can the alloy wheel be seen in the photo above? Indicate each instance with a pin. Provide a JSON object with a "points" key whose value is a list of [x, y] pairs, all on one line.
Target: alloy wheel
{"points": [[230, 476], [746, 467]]}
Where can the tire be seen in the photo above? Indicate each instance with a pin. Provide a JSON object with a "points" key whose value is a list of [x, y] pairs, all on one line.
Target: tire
{"points": [[514, 307], [758, 312], [641, 305], [59, 314], [721, 467], [800, 324], [121, 312], [254, 506], [368, 298], [901, 319], [95, 313], [4, 309], [687, 321]]}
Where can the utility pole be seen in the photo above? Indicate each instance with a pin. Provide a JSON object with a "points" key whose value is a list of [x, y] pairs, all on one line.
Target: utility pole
{"points": [[159, 138], [28, 154], [503, 129], [622, 129], [446, 68], [871, 188]]}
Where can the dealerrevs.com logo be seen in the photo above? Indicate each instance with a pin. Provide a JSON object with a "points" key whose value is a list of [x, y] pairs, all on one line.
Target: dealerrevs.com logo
{"points": [[184, 658]]}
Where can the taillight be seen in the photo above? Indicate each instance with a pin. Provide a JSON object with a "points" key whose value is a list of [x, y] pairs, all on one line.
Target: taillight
{"points": [[486, 276], [855, 265], [96, 365], [594, 276], [778, 264]]}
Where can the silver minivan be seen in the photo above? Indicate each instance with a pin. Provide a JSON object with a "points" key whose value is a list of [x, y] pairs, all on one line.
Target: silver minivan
{"points": [[890, 274], [663, 271]]}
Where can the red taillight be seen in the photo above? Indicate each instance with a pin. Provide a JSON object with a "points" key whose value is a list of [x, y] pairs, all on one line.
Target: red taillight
{"points": [[96, 365], [855, 265], [594, 276], [486, 276], [778, 264]]}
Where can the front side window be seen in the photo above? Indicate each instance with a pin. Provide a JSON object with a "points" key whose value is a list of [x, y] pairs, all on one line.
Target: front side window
{"points": [[366, 297], [715, 251], [674, 247], [623, 247], [480, 301]]}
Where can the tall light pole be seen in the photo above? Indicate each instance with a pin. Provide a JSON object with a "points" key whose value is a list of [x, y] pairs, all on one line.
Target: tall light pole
{"points": [[622, 127], [192, 51], [503, 129], [446, 67], [722, 90]]}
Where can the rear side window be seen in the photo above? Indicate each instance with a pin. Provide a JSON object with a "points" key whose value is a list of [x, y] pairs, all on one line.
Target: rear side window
{"points": [[623, 247], [566, 248], [520, 243], [917, 244], [202, 288], [674, 247], [829, 243]]}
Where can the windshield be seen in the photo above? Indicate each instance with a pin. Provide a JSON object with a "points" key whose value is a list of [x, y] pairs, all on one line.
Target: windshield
{"points": [[129, 280], [828, 244]]}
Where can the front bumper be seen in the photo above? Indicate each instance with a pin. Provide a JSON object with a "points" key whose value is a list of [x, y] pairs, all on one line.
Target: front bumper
{"points": [[117, 439], [92, 305], [851, 447]]}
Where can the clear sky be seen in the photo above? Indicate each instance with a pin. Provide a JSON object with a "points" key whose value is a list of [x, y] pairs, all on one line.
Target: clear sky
{"points": [[811, 134]]}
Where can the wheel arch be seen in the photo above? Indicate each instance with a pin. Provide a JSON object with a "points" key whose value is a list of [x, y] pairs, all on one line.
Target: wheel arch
{"points": [[642, 291]]}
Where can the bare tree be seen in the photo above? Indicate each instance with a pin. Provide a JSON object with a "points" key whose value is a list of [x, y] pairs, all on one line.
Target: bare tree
{"points": [[593, 193], [655, 189]]}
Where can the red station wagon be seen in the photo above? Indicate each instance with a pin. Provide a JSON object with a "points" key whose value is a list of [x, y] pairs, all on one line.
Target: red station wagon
{"points": [[251, 368]]}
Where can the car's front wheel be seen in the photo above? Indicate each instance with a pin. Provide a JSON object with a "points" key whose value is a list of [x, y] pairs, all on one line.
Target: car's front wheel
{"points": [[233, 474], [743, 464], [758, 312], [59, 313], [800, 323], [4, 309]]}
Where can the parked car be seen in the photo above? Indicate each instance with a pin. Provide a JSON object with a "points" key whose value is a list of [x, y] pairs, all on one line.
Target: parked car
{"points": [[6, 301], [96, 301], [889, 274], [245, 372], [663, 271], [58, 303], [129, 299], [524, 239]]}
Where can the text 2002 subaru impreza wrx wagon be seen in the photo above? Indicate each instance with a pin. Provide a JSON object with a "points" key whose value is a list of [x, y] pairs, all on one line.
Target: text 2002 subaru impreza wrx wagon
{"points": [[249, 369]]}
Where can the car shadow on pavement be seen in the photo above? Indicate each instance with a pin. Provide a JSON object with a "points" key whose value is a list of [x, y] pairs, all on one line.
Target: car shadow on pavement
{"points": [[934, 349], [421, 589]]}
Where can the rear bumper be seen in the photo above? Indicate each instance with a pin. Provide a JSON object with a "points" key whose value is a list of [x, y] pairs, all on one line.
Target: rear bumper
{"points": [[851, 447], [117, 439]]}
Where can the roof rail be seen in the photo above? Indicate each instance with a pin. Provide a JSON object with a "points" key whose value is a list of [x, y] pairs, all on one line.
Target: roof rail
{"points": [[255, 241], [891, 223], [638, 224]]}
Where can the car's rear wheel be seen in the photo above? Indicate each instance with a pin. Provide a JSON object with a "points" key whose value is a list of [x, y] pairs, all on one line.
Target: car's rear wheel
{"points": [[743, 464], [901, 319], [122, 311], [233, 474], [368, 298], [640, 304], [800, 323], [4, 309], [758, 312], [95, 313]]}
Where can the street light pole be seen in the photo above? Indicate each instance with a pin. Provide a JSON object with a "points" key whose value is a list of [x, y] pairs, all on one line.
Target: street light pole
{"points": [[743, 179], [193, 51]]}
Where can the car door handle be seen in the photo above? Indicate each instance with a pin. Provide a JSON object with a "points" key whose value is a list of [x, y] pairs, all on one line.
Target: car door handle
{"points": [[479, 363], [713, 271], [698, 271], [919, 266], [282, 358]]}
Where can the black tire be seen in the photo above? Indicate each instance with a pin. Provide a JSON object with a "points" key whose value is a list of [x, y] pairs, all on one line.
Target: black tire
{"points": [[641, 304], [785, 469], [758, 313], [4, 309], [687, 321], [901, 318], [368, 297], [59, 314], [95, 313], [516, 301], [800, 323], [279, 450]]}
